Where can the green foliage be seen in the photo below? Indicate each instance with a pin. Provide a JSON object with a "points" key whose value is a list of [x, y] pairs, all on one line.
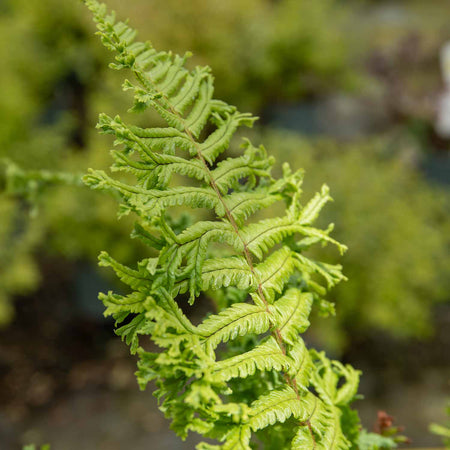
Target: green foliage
{"points": [[396, 225], [18, 272], [41, 50], [30, 184], [442, 430], [244, 371], [374, 441], [33, 447]]}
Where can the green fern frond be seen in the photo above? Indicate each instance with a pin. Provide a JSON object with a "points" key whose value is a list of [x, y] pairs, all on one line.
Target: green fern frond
{"points": [[302, 365], [135, 279], [291, 314], [265, 284], [273, 273], [237, 320], [331, 439], [265, 356], [232, 172], [242, 205], [277, 406]]}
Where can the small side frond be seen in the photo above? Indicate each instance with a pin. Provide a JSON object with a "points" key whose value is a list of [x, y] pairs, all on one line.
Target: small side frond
{"points": [[291, 314], [224, 272], [331, 273], [277, 406], [153, 202], [138, 280], [302, 365], [264, 357], [131, 331], [232, 172], [336, 384], [238, 439], [260, 237], [192, 245], [115, 304], [219, 140], [312, 209], [237, 320], [332, 438], [274, 273], [243, 204]]}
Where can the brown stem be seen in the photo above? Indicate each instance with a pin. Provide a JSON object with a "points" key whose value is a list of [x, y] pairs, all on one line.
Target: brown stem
{"points": [[311, 432]]}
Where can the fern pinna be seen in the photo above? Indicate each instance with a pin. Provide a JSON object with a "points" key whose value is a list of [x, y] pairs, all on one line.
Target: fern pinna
{"points": [[264, 387]]}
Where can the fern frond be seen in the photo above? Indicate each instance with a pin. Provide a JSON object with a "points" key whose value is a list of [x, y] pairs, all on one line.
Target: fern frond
{"points": [[332, 437], [176, 318], [302, 365], [331, 273], [115, 304], [192, 244], [262, 236], [312, 209], [223, 272], [219, 140], [291, 314], [266, 356], [277, 406], [266, 293], [242, 205], [135, 279], [131, 331], [238, 320], [158, 171], [238, 439], [252, 164], [328, 378], [274, 273], [152, 203]]}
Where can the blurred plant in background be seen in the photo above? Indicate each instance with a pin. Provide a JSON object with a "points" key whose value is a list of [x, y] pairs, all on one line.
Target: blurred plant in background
{"points": [[18, 271], [443, 431], [34, 133]]}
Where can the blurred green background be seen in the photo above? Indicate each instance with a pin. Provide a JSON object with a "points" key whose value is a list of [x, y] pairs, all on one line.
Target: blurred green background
{"points": [[349, 90]]}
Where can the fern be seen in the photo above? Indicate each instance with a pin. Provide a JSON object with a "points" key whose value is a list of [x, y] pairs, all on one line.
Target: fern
{"points": [[264, 384]]}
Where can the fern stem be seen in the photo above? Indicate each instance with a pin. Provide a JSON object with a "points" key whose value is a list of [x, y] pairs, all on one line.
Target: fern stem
{"points": [[308, 423]]}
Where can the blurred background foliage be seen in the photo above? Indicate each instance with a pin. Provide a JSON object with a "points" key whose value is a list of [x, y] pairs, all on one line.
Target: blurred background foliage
{"points": [[347, 90]]}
